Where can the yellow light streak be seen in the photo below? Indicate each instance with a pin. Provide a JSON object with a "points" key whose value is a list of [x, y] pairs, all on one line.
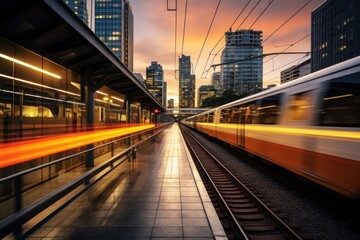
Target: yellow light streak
{"points": [[290, 130], [29, 65], [340, 96]]}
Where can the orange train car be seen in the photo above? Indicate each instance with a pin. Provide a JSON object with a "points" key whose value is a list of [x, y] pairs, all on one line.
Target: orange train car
{"points": [[309, 126]]}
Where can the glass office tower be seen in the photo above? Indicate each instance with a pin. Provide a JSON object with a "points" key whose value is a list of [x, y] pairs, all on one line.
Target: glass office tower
{"points": [[186, 83], [114, 24], [245, 75]]}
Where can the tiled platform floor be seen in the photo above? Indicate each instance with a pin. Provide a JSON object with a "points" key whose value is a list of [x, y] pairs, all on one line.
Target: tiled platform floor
{"points": [[157, 196]]}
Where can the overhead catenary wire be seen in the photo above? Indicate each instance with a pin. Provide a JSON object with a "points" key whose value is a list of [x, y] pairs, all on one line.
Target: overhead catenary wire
{"points": [[207, 60], [212, 21], [287, 64], [283, 24], [287, 21], [236, 30], [289, 46], [183, 39]]}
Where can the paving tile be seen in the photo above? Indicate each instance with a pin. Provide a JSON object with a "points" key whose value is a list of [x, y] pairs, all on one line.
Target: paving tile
{"points": [[197, 232], [167, 232], [153, 197]]}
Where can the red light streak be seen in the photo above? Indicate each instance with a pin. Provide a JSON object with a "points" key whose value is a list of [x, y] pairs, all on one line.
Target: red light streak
{"points": [[22, 151]]}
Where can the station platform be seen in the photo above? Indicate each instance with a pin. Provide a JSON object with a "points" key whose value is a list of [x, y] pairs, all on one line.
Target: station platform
{"points": [[159, 195]]}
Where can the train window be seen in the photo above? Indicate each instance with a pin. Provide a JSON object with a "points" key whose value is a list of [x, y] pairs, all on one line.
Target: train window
{"points": [[298, 107], [341, 102], [224, 116], [269, 110], [201, 118], [229, 115], [251, 113], [211, 117]]}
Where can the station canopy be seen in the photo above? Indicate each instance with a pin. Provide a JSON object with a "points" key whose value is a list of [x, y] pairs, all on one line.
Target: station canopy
{"points": [[51, 29]]}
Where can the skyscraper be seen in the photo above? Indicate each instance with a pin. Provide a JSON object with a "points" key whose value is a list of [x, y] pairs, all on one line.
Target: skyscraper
{"points": [[164, 93], [154, 80], [335, 33], [215, 80], [205, 92], [128, 36], [80, 9], [245, 75], [114, 26], [186, 83]]}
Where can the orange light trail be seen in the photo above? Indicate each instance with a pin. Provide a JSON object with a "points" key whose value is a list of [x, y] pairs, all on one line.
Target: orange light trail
{"points": [[22, 151]]}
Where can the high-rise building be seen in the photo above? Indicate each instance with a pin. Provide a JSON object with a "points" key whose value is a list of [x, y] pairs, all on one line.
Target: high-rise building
{"points": [[114, 26], [186, 83], [80, 9], [171, 103], [154, 80], [128, 36], [205, 92], [215, 80], [164, 95], [295, 71], [242, 76], [335, 33]]}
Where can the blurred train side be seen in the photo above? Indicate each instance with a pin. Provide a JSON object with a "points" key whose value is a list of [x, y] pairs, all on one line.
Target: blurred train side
{"points": [[309, 126]]}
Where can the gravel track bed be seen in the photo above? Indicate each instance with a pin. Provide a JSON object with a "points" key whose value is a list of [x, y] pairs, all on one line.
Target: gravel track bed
{"points": [[313, 219]]}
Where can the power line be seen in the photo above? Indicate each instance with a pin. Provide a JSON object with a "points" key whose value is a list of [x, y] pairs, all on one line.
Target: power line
{"points": [[238, 27], [250, 57], [174, 10], [289, 46], [287, 20], [270, 2], [183, 40], [212, 21], [296, 60], [207, 60]]}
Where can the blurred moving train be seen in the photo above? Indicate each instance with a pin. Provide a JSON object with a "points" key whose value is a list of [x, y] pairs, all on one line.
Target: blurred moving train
{"points": [[309, 126]]}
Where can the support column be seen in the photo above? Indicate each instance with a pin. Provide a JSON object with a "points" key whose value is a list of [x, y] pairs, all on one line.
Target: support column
{"points": [[128, 120], [88, 90], [128, 101]]}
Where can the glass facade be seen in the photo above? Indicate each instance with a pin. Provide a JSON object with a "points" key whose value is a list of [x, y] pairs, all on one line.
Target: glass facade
{"points": [[155, 79], [186, 83], [114, 25], [39, 97], [129, 37], [109, 24], [335, 33], [80, 9], [205, 92], [242, 76]]}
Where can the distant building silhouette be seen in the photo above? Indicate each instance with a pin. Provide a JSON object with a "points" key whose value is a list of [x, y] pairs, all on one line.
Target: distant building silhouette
{"points": [[215, 80], [295, 71], [155, 79], [186, 83], [205, 92], [171, 103]]}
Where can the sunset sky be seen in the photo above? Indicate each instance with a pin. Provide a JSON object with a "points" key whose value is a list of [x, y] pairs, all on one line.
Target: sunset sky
{"points": [[154, 34]]}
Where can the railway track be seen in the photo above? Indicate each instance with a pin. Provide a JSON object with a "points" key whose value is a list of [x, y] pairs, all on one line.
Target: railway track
{"points": [[243, 214]]}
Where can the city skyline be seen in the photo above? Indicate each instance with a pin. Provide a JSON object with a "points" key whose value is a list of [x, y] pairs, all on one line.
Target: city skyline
{"points": [[154, 38]]}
